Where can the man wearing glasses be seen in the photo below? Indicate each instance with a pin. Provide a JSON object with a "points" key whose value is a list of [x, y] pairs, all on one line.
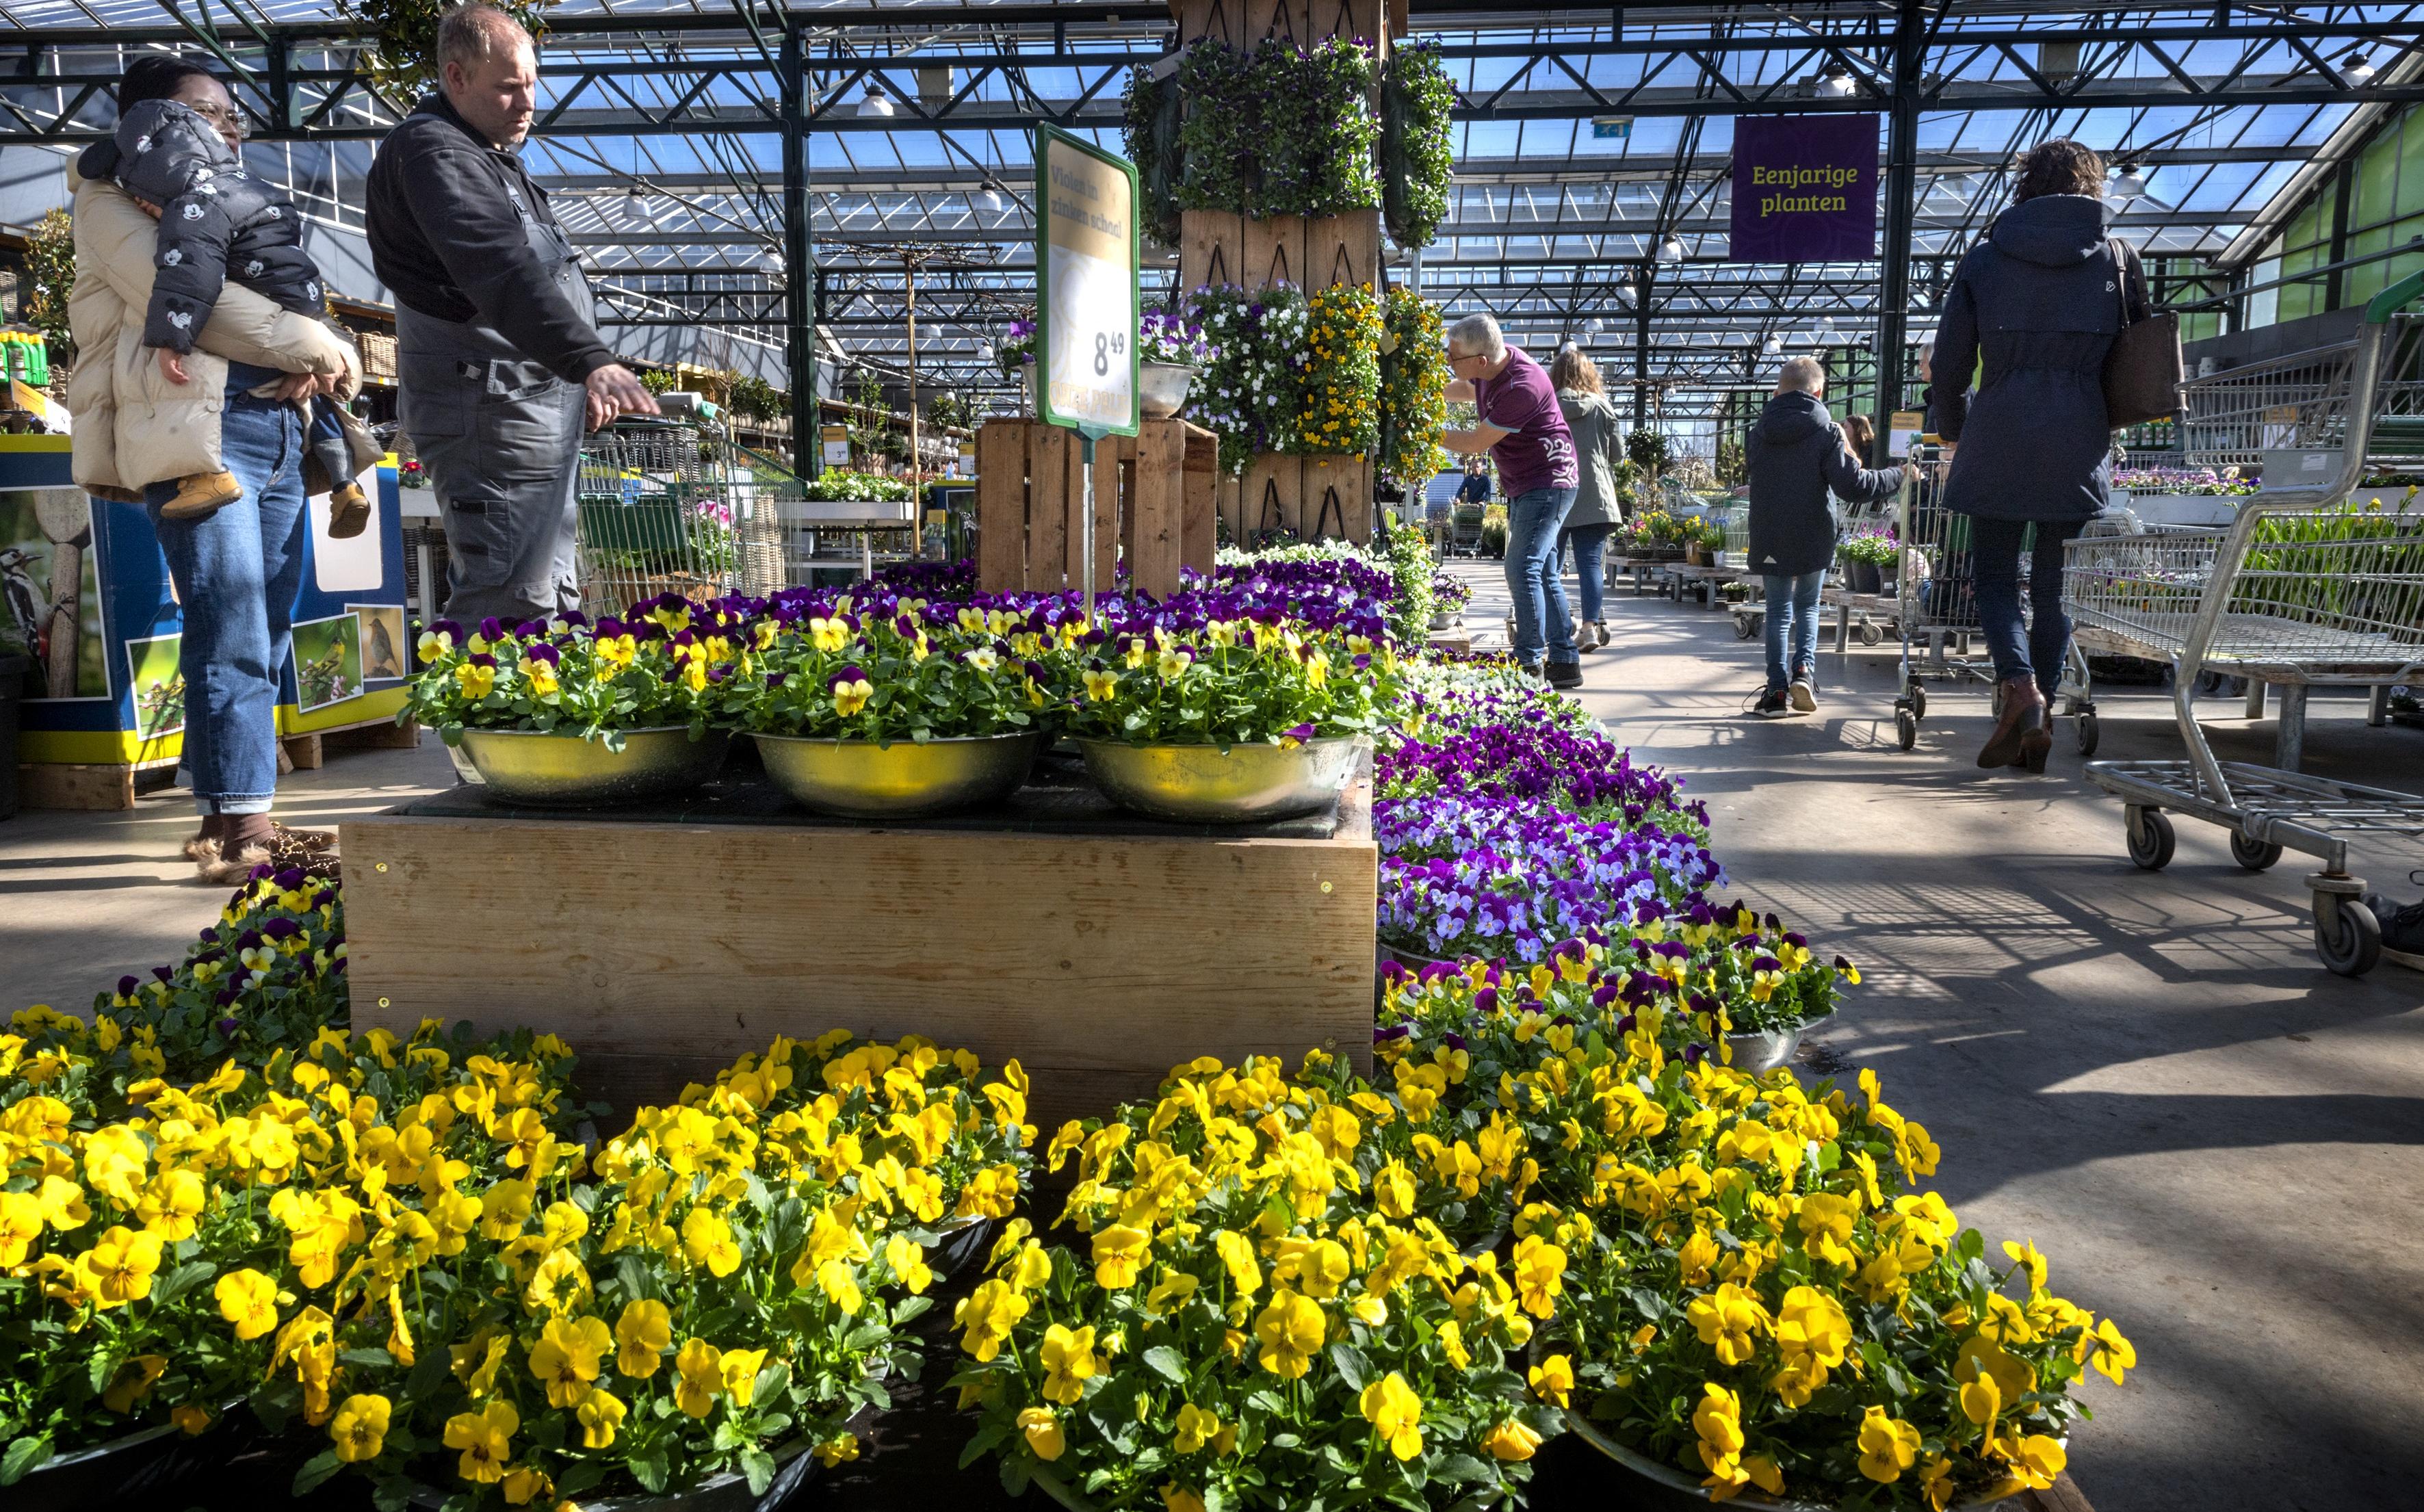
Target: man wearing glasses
{"points": [[496, 345], [1523, 428]]}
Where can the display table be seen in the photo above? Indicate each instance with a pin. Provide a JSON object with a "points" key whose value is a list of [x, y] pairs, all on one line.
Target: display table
{"points": [[1099, 948]]}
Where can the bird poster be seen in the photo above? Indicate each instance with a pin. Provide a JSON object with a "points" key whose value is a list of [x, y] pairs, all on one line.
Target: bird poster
{"points": [[383, 640], [50, 600], [328, 662], [159, 683]]}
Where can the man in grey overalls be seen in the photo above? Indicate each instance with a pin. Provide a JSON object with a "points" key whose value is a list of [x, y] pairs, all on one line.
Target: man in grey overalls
{"points": [[497, 352]]}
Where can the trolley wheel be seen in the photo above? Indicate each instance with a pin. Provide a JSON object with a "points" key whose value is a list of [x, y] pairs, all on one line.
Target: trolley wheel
{"points": [[2151, 840], [1743, 627], [2255, 856], [2091, 729], [1906, 727], [1918, 701], [1871, 632], [2351, 945]]}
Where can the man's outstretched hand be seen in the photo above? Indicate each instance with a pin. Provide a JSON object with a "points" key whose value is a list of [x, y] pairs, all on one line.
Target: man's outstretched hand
{"points": [[615, 390]]}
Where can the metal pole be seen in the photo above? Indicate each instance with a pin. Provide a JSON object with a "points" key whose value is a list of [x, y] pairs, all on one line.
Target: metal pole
{"points": [[1641, 346], [1086, 531], [1901, 188], [917, 456], [799, 258]]}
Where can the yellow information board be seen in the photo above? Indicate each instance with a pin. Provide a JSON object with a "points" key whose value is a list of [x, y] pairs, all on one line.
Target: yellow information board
{"points": [[1086, 296]]}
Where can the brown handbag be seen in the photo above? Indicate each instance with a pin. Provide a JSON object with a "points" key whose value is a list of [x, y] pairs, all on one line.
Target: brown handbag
{"points": [[2142, 371]]}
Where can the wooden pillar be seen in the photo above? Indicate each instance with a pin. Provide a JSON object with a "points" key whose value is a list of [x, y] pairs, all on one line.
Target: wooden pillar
{"points": [[1002, 505]]}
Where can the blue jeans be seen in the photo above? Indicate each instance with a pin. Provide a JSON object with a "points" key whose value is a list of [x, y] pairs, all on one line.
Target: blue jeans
{"points": [[1590, 543], [236, 571], [2038, 648], [1793, 620], [1533, 520]]}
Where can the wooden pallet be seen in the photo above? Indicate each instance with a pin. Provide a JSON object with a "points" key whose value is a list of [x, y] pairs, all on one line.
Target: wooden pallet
{"points": [[109, 786], [1154, 504]]}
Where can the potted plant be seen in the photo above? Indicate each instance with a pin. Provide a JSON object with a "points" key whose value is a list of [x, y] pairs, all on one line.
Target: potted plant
{"points": [[1016, 353], [1170, 351], [1215, 714], [1450, 594], [1257, 1332], [567, 713], [1865, 555], [867, 705]]}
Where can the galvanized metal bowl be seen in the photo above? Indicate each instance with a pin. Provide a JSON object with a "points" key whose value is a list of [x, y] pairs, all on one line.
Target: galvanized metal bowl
{"points": [[862, 779], [1161, 387], [567, 771], [1759, 1050], [1221, 784]]}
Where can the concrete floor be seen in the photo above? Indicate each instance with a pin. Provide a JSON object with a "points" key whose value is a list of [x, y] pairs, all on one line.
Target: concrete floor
{"points": [[2213, 1140]]}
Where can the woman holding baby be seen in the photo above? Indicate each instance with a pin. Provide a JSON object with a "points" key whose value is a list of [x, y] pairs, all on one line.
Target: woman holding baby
{"points": [[207, 418]]}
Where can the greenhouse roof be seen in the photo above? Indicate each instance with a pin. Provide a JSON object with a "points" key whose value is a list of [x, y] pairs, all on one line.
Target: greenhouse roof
{"points": [[1582, 145]]}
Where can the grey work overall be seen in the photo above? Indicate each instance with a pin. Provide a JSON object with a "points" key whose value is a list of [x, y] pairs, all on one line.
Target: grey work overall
{"points": [[501, 436]]}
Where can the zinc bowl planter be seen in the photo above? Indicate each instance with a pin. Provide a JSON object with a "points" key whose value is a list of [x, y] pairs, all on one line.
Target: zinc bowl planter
{"points": [[567, 771], [1756, 1051], [1207, 784], [897, 779], [1676, 1488], [1163, 387]]}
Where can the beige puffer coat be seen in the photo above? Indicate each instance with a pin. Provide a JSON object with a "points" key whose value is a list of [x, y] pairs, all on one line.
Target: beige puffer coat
{"points": [[132, 426]]}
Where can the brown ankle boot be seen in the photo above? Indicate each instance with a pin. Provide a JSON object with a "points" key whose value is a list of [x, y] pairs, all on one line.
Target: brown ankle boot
{"points": [[201, 494], [349, 511], [2020, 727]]}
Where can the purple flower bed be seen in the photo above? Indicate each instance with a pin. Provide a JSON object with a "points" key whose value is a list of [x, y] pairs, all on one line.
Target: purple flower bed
{"points": [[1510, 878], [1504, 744]]}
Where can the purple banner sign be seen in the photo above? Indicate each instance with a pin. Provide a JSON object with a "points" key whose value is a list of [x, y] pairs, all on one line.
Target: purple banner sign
{"points": [[1805, 189]]}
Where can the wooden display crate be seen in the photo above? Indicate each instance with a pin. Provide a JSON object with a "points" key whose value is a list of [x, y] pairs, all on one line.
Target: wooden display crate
{"points": [[1099, 952], [1153, 504]]}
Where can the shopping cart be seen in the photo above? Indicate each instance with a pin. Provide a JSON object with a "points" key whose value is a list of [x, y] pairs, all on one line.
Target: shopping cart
{"points": [[673, 505], [2293, 590]]}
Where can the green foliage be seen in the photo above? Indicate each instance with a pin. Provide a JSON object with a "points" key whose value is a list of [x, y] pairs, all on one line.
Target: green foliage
{"points": [[873, 423], [1647, 448], [404, 61], [1149, 132], [1413, 390], [50, 269], [755, 399], [1417, 151], [1285, 130]]}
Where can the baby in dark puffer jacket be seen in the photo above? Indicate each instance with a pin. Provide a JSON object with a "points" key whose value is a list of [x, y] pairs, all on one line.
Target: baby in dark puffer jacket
{"points": [[217, 223]]}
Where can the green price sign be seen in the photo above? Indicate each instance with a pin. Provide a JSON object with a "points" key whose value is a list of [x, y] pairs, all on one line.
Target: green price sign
{"points": [[1085, 285]]}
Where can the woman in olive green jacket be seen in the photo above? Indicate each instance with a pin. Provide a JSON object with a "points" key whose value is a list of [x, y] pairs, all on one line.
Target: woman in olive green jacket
{"points": [[1599, 444]]}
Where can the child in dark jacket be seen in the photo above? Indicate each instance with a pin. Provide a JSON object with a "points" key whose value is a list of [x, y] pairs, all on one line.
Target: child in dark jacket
{"points": [[1795, 458], [217, 222]]}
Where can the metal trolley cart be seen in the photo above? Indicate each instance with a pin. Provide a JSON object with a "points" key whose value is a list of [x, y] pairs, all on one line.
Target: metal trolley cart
{"points": [[675, 506], [2293, 589]]}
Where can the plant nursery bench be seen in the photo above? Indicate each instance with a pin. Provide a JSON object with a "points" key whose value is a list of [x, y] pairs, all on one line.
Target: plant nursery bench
{"points": [[1097, 947]]}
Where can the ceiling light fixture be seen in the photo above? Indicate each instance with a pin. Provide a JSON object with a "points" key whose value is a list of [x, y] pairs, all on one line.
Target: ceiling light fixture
{"points": [[2355, 71], [991, 201], [1671, 250], [876, 103], [2129, 184], [1836, 83]]}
